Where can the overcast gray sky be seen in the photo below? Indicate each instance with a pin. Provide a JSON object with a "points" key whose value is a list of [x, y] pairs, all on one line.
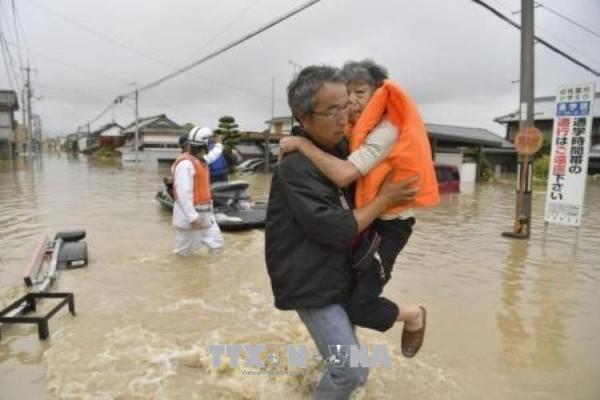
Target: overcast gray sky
{"points": [[455, 58]]}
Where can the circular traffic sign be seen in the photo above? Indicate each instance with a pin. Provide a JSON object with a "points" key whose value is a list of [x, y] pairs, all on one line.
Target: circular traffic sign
{"points": [[528, 141]]}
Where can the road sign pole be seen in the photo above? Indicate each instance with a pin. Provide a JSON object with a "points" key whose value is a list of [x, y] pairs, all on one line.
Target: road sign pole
{"points": [[522, 224]]}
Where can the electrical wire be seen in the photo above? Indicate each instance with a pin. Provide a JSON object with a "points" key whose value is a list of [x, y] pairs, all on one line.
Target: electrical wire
{"points": [[547, 33], [12, 76], [538, 39], [560, 15], [146, 56], [225, 48], [212, 55], [17, 36]]}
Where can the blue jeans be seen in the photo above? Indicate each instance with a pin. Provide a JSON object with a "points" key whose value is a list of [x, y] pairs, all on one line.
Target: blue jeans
{"points": [[330, 326]]}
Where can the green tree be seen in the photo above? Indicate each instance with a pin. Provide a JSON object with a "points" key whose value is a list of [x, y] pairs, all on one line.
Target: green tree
{"points": [[228, 131], [187, 126], [541, 167], [485, 174]]}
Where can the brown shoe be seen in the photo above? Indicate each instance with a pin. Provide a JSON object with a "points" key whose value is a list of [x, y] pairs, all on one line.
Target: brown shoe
{"points": [[413, 340]]}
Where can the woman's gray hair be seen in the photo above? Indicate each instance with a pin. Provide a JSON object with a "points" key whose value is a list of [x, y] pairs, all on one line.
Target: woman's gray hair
{"points": [[303, 88], [364, 72]]}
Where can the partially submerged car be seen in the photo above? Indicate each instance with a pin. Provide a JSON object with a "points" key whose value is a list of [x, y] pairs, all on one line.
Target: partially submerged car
{"points": [[448, 178]]}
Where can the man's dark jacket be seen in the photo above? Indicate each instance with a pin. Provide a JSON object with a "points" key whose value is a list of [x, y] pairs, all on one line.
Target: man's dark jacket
{"points": [[308, 235]]}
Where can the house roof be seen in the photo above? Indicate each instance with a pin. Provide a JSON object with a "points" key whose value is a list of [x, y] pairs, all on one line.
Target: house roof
{"points": [[8, 98], [285, 119], [260, 136], [544, 110], [469, 135], [145, 122], [105, 128]]}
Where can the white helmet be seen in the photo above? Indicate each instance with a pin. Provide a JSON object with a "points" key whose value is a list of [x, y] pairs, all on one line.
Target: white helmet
{"points": [[199, 136]]}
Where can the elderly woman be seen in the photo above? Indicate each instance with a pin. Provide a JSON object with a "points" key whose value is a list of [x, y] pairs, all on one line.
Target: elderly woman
{"points": [[387, 137]]}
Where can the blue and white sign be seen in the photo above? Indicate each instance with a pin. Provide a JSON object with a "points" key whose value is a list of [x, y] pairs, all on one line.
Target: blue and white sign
{"points": [[574, 108], [569, 156]]}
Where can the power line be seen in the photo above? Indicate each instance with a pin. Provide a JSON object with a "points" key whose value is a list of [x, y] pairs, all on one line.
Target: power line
{"points": [[71, 90], [77, 68], [226, 28], [93, 32], [226, 47], [12, 77], [549, 34], [229, 46], [100, 115], [16, 29], [146, 56], [577, 24], [538, 39], [20, 26], [9, 78]]}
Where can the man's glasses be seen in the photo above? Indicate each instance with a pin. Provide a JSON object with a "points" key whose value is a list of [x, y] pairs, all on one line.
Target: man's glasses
{"points": [[333, 112]]}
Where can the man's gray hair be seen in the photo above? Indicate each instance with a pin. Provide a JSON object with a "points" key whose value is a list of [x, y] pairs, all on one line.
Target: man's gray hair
{"points": [[303, 88], [365, 72]]}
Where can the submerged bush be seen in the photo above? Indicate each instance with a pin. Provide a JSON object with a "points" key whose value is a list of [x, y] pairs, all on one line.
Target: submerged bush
{"points": [[541, 166]]}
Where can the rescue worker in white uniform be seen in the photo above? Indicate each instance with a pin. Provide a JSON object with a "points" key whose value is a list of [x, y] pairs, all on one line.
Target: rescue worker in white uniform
{"points": [[193, 217]]}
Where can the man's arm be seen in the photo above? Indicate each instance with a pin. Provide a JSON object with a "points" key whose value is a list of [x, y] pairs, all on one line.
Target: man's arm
{"points": [[343, 172], [214, 153], [184, 178], [315, 203]]}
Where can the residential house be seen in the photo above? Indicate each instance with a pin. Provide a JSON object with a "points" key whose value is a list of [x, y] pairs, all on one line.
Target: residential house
{"points": [[464, 147], [280, 125], [467, 147], [21, 138], [252, 144], [8, 105], [157, 131], [544, 110], [110, 135], [158, 140], [83, 142]]}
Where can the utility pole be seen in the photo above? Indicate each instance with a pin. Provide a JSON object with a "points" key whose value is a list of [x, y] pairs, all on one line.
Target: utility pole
{"points": [[268, 133], [23, 108], [29, 95], [137, 130], [522, 226], [297, 67]]}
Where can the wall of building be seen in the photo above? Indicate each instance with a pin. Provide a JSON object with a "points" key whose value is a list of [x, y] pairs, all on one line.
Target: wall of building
{"points": [[7, 134], [82, 143], [6, 125], [455, 159], [468, 172], [112, 141]]}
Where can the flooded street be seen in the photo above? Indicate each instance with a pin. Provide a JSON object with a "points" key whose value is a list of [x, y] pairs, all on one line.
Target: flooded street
{"points": [[508, 319]]}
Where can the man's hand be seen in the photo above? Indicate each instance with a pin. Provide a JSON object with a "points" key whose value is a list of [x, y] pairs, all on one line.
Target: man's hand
{"points": [[196, 224], [202, 222], [289, 144], [398, 193]]}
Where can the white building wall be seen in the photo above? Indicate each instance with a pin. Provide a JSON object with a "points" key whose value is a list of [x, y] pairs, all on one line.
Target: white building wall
{"points": [[6, 131], [82, 143], [468, 173], [455, 159]]}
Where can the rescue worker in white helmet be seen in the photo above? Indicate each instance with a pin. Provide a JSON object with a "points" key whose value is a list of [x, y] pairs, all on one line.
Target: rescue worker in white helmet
{"points": [[193, 216]]}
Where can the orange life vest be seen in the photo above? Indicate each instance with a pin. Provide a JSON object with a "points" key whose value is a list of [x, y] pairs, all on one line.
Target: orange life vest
{"points": [[410, 155], [202, 193]]}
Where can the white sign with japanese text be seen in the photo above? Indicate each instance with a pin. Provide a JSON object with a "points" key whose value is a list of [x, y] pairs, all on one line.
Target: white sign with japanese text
{"points": [[569, 155]]}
